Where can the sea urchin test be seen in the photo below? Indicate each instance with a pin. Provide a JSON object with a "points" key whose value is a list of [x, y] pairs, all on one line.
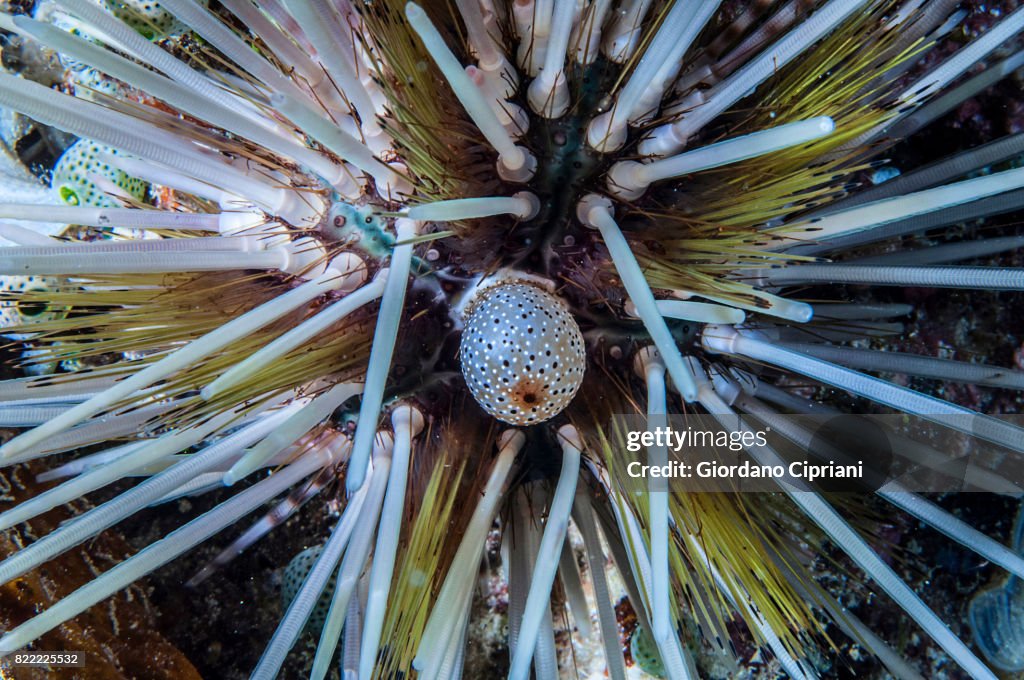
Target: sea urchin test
{"points": [[522, 353]]}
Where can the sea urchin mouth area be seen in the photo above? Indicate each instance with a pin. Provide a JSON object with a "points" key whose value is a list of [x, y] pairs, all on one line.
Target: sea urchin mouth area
{"points": [[567, 169], [522, 353]]}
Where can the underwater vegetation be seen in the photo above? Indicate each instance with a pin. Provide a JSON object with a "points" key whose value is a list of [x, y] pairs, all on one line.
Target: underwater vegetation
{"points": [[402, 265]]}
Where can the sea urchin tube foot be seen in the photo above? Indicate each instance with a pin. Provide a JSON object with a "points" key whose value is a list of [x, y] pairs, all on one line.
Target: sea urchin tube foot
{"points": [[522, 353]]}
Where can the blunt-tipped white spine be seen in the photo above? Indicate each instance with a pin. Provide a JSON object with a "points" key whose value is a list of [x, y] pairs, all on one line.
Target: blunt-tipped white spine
{"points": [[843, 535], [523, 205], [700, 312], [624, 33], [180, 359], [775, 305], [407, 423], [676, 33], [338, 141], [515, 162], [932, 276], [899, 495], [945, 522], [138, 497], [284, 49], [844, 311], [538, 601], [651, 369], [140, 138], [595, 211], [30, 415], [294, 619], [352, 568], [294, 338], [728, 340], [161, 552], [91, 461], [944, 254], [166, 176], [353, 626], [147, 52], [130, 218], [548, 94], [629, 179], [107, 427], [384, 337], [572, 583], [181, 97], [678, 663], [118, 468], [485, 47], [587, 36], [291, 430], [512, 116], [205, 23], [23, 236], [945, 73], [141, 257], [671, 137], [879, 213], [320, 23], [916, 120], [52, 388], [533, 26], [583, 514], [457, 589], [913, 364]]}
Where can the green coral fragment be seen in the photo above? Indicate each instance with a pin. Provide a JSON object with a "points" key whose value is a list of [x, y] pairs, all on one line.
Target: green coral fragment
{"points": [[294, 574], [17, 310], [645, 653], [149, 19], [76, 173]]}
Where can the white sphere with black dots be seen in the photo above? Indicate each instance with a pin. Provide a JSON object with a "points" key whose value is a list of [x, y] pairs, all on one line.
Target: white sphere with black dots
{"points": [[522, 353]]}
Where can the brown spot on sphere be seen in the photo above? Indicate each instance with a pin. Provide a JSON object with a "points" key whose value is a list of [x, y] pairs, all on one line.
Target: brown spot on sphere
{"points": [[522, 353]]}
